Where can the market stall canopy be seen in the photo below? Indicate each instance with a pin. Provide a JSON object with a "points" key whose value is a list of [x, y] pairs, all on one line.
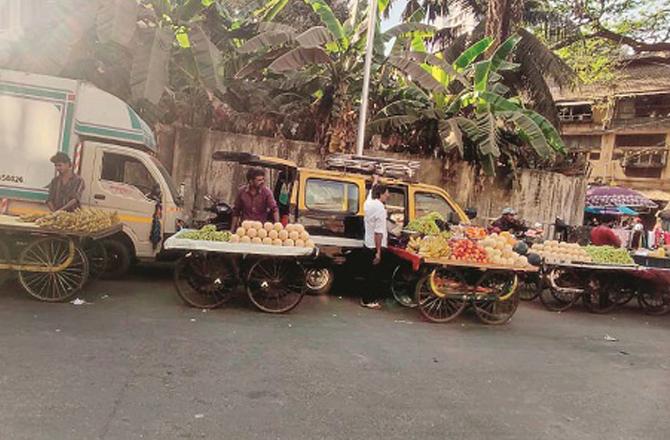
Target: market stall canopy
{"points": [[616, 196]]}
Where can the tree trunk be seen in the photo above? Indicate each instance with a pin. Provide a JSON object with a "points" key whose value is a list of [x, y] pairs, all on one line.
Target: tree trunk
{"points": [[503, 18]]}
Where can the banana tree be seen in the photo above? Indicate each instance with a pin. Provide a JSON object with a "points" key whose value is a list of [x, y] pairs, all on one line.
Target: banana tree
{"points": [[331, 55], [469, 104]]}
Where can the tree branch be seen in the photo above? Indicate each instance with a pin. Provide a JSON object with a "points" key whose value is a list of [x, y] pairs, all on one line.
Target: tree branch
{"points": [[607, 34]]}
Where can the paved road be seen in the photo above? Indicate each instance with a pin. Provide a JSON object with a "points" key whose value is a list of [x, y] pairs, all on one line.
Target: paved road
{"points": [[137, 364]]}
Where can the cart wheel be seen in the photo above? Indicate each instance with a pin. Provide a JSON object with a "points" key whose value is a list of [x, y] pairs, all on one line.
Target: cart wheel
{"points": [[628, 290], [565, 289], [403, 283], [654, 300], [530, 286], [441, 295], [97, 258], [205, 281], [496, 297], [53, 252], [276, 285], [601, 294], [4, 259]]}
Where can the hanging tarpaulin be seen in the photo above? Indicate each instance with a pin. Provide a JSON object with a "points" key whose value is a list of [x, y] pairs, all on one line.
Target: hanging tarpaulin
{"points": [[619, 210], [613, 197]]}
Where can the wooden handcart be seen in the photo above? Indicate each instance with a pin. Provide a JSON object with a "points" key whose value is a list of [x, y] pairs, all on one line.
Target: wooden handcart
{"points": [[51, 265], [210, 273], [604, 287], [443, 288]]}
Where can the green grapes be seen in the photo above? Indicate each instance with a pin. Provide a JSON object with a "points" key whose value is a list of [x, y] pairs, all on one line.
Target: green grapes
{"points": [[207, 233], [609, 255]]}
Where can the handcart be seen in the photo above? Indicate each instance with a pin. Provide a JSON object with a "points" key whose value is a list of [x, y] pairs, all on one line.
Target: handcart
{"points": [[444, 288], [52, 265], [604, 287], [210, 273]]}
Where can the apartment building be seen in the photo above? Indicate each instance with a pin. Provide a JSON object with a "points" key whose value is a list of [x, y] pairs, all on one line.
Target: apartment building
{"points": [[622, 129]]}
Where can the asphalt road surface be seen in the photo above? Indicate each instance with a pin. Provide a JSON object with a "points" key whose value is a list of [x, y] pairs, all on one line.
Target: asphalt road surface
{"points": [[138, 364]]}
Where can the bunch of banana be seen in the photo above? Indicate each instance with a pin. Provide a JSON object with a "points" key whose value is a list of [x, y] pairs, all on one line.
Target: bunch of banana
{"points": [[81, 220], [414, 244], [434, 247]]}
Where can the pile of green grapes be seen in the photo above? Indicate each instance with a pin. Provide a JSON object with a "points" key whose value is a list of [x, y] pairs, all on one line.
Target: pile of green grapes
{"points": [[426, 225], [207, 233], [608, 255]]}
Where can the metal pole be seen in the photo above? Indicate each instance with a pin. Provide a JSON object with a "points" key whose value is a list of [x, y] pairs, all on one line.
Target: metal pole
{"points": [[362, 116]]}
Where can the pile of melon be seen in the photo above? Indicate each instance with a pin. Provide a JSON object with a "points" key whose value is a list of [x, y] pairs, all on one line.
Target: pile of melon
{"points": [[274, 234], [561, 252], [500, 251]]}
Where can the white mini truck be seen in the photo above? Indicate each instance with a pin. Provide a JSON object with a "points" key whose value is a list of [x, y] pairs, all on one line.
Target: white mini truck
{"points": [[111, 147]]}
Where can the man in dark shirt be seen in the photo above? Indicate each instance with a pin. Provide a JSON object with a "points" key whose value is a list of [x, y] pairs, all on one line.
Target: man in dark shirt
{"points": [[66, 188], [509, 222], [603, 235], [254, 200]]}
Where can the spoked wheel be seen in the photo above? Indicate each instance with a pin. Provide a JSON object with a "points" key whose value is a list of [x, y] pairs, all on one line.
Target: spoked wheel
{"points": [[565, 289], [53, 269], [627, 291], [403, 284], [654, 300], [276, 285], [530, 286], [496, 297], [97, 258], [204, 280], [601, 294], [441, 295]]}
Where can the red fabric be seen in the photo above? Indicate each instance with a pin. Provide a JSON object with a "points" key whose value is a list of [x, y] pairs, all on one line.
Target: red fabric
{"points": [[406, 255], [603, 235]]}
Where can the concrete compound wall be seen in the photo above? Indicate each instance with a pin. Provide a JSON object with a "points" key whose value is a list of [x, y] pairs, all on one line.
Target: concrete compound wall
{"points": [[538, 195]]}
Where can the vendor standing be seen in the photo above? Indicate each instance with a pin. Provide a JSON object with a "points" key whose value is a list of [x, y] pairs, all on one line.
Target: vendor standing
{"points": [[254, 200], [603, 235], [376, 239], [66, 188]]}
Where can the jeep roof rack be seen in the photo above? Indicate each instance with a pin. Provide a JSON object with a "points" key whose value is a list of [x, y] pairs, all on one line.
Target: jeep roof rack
{"points": [[386, 167]]}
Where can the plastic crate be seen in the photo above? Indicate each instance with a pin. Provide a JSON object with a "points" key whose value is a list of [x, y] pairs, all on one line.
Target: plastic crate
{"points": [[647, 261]]}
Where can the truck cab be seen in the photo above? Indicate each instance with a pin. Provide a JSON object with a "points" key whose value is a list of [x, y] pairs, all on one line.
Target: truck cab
{"points": [[111, 147]]}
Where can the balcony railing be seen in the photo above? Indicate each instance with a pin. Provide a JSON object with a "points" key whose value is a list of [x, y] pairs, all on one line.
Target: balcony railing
{"points": [[640, 157]]}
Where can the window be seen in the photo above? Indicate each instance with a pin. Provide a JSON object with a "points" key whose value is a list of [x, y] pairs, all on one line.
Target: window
{"points": [[582, 142], [594, 156], [425, 203], [652, 106], [332, 195], [396, 205], [128, 170], [580, 112], [640, 140]]}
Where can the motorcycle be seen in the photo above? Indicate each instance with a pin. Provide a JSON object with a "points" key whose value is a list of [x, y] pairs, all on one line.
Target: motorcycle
{"points": [[222, 214]]}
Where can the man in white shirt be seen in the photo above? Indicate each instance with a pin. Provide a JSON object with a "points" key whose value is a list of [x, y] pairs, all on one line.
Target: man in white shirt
{"points": [[376, 238]]}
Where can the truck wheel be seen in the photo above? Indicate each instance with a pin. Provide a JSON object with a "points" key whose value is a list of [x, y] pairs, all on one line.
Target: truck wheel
{"points": [[119, 259], [319, 280]]}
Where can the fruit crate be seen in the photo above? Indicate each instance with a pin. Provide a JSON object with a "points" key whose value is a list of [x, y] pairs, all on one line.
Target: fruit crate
{"points": [[647, 261]]}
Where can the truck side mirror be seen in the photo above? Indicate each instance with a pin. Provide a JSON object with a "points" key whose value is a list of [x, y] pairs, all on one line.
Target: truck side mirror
{"points": [[471, 213]]}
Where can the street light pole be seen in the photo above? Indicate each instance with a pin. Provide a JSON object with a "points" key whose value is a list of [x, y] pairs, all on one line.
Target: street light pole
{"points": [[362, 115]]}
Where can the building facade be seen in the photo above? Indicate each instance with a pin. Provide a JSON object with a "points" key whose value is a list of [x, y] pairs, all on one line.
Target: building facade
{"points": [[622, 130]]}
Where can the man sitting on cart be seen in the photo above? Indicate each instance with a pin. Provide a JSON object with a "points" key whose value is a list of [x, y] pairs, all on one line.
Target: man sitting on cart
{"points": [[66, 188], [255, 201]]}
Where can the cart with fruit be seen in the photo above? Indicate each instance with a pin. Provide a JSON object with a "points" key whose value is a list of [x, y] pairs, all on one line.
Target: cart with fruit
{"points": [[268, 260], [53, 255], [602, 277], [463, 267]]}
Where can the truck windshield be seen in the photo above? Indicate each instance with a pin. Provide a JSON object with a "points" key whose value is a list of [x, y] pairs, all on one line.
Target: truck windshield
{"points": [[168, 179]]}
